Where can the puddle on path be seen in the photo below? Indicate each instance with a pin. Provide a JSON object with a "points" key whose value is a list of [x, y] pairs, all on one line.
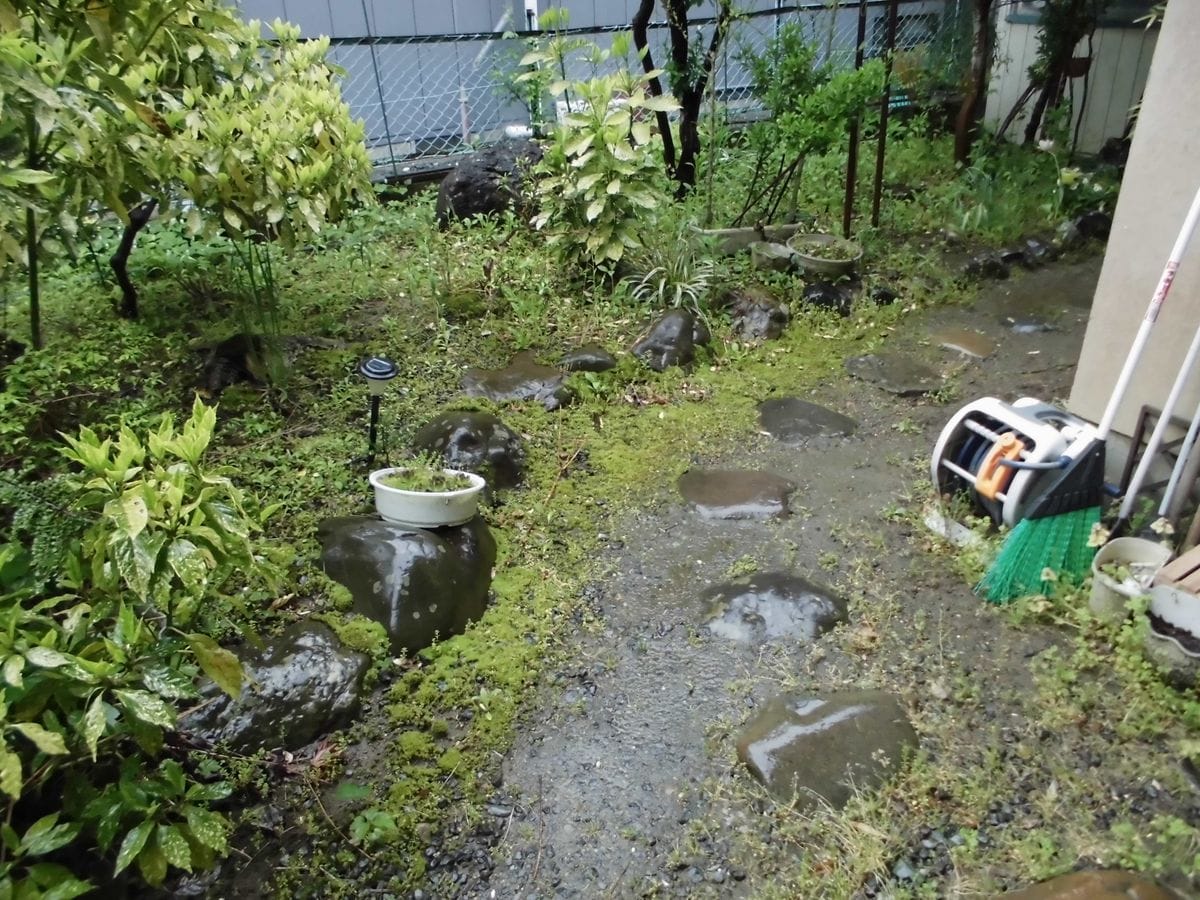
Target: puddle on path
{"points": [[736, 494], [771, 606], [896, 373], [1038, 303], [792, 420], [967, 342]]}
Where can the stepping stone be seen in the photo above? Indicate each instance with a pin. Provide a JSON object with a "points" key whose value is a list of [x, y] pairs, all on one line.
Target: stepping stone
{"points": [[769, 606], [792, 420], [894, 372], [736, 494], [814, 748], [1100, 885], [523, 379], [968, 343]]}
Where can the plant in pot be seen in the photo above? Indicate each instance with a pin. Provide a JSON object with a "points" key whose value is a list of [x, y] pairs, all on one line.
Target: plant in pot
{"points": [[425, 494], [825, 254]]}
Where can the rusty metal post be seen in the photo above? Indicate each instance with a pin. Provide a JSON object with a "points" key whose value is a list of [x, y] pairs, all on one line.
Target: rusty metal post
{"points": [[884, 110], [852, 156]]}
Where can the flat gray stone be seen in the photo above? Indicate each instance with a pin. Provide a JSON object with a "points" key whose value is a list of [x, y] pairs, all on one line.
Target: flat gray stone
{"points": [[523, 379], [822, 747], [770, 606], [735, 493], [1099, 885], [895, 372], [793, 420]]}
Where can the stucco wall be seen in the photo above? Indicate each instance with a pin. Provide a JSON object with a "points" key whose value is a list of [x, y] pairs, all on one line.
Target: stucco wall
{"points": [[1160, 181]]}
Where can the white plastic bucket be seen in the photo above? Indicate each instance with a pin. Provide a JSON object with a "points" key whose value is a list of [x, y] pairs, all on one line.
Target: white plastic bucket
{"points": [[1142, 557], [421, 509]]}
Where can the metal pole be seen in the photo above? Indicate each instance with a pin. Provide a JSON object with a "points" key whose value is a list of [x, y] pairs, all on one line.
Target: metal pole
{"points": [[374, 430], [884, 109], [852, 157], [387, 129]]}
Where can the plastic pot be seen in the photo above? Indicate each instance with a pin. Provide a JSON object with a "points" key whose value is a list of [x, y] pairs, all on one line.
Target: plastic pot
{"points": [[1142, 557], [808, 254], [426, 509]]}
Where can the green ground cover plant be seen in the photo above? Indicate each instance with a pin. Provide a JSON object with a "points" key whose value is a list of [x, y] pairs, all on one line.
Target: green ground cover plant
{"points": [[113, 613]]}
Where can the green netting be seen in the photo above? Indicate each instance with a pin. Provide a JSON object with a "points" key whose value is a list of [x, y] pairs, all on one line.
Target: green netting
{"points": [[1057, 543]]}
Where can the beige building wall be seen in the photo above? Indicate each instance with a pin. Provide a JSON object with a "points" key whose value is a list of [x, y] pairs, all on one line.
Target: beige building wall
{"points": [[1161, 179]]}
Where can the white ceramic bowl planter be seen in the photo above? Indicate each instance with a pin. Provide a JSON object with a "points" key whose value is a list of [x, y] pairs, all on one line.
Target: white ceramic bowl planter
{"points": [[426, 509]]}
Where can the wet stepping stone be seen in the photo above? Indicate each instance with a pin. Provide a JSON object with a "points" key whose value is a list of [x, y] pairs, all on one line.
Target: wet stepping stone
{"points": [[523, 379], [769, 606], [792, 420], [735, 493], [968, 343], [894, 372], [1101, 885], [814, 748]]}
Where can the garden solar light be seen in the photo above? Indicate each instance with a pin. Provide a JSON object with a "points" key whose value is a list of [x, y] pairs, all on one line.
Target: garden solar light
{"points": [[378, 372]]}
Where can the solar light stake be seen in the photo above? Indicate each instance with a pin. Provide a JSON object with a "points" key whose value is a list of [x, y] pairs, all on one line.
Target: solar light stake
{"points": [[378, 372]]}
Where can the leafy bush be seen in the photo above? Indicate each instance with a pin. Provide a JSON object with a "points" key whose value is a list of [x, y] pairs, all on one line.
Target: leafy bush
{"points": [[601, 179], [94, 659]]}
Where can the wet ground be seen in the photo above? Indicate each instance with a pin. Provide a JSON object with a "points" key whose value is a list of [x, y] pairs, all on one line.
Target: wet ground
{"points": [[609, 791]]}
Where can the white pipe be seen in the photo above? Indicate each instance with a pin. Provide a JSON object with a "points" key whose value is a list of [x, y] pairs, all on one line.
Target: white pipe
{"points": [[1185, 453], [1185, 370], [1143, 334]]}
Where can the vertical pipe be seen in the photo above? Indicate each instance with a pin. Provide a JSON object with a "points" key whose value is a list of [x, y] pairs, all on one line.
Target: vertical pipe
{"points": [[373, 433], [387, 128], [852, 156], [884, 110]]}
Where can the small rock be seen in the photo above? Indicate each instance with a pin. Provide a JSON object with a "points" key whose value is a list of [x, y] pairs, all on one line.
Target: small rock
{"points": [[824, 295], [881, 295], [589, 359], [985, 265], [671, 341]]}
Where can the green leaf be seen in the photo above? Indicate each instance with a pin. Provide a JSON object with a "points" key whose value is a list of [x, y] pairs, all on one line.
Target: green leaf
{"points": [[152, 863], [46, 835], [135, 513], [175, 847], [147, 707], [348, 792], [12, 670], [218, 790], [48, 742], [46, 658], [219, 664], [10, 773], [187, 561], [208, 827], [136, 559], [57, 882], [132, 845], [168, 682], [94, 722]]}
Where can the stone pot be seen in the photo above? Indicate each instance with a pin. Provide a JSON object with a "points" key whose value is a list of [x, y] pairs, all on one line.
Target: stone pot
{"points": [[426, 509], [807, 250]]}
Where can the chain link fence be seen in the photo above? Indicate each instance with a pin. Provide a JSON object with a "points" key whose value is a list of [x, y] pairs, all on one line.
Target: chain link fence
{"points": [[430, 96]]}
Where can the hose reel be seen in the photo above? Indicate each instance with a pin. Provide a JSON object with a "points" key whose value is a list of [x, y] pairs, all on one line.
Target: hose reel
{"points": [[995, 453]]}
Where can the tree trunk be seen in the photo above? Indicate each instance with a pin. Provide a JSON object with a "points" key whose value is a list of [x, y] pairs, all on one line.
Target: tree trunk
{"points": [[690, 86], [641, 19], [138, 217], [966, 124]]}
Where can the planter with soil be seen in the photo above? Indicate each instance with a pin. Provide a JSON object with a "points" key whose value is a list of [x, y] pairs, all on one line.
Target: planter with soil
{"points": [[423, 497], [1173, 641], [825, 254], [1123, 569]]}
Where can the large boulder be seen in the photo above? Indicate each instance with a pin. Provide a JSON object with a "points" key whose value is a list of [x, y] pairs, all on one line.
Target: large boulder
{"points": [[488, 182], [822, 747], [418, 584], [476, 442], [524, 378], [300, 686], [672, 340]]}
